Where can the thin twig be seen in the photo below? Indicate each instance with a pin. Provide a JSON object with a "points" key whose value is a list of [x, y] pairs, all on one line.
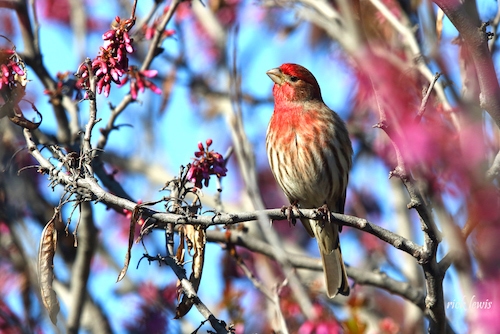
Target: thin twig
{"points": [[87, 146], [425, 99]]}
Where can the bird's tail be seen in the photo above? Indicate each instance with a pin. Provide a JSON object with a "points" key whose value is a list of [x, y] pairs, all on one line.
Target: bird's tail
{"points": [[327, 235]]}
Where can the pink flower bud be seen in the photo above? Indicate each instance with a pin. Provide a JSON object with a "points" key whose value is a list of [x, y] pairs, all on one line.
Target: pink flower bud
{"points": [[154, 88], [150, 32], [129, 48], [209, 142], [17, 69], [140, 84], [133, 90], [115, 75], [169, 32], [5, 70], [109, 34], [8, 52], [108, 44], [149, 73], [104, 67], [126, 37], [124, 81], [107, 88]]}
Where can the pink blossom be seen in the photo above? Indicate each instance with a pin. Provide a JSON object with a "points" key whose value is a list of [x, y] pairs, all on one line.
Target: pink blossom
{"points": [[10, 68], [112, 61], [149, 73], [109, 34], [17, 69], [205, 164]]}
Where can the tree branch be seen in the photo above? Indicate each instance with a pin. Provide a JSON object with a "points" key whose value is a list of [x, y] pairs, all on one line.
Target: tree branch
{"points": [[475, 39]]}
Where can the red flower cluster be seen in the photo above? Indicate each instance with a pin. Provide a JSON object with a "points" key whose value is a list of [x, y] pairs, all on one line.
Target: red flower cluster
{"points": [[206, 163], [111, 64], [138, 81], [10, 69], [112, 61]]}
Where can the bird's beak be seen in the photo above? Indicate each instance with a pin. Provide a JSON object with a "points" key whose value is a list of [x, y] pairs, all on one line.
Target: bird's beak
{"points": [[276, 75]]}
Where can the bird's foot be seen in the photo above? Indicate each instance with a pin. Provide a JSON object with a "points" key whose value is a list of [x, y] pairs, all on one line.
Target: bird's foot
{"points": [[288, 211], [325, 213], [326, 216]]}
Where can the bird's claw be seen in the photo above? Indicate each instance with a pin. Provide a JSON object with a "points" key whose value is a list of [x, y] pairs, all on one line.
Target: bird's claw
{"points": [[288, 211], [323, 210]]}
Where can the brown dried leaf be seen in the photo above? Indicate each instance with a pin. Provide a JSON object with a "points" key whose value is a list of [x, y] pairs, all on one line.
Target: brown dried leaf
{"points": [[131, 232], [181, 252], [196, 240], [16, 116], [46, 252]]}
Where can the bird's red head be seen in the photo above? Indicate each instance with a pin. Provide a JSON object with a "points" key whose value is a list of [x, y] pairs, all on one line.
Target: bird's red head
{"points": [[293, 82]]}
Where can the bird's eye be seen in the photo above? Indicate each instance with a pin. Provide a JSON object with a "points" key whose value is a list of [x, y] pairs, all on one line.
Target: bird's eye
{"points": [[294, 79]]}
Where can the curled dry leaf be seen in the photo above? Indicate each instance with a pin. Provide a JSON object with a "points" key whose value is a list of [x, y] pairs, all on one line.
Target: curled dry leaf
{"points": [[131, 232], [196, 240], [180, 254], [23, 122], [46, 252]]}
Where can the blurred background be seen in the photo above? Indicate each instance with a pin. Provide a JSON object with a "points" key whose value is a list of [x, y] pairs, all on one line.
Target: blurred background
{"points": [[212, 76]]}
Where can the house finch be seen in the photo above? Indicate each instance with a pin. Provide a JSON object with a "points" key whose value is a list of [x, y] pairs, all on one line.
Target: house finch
{"points": [[310, 155]]}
